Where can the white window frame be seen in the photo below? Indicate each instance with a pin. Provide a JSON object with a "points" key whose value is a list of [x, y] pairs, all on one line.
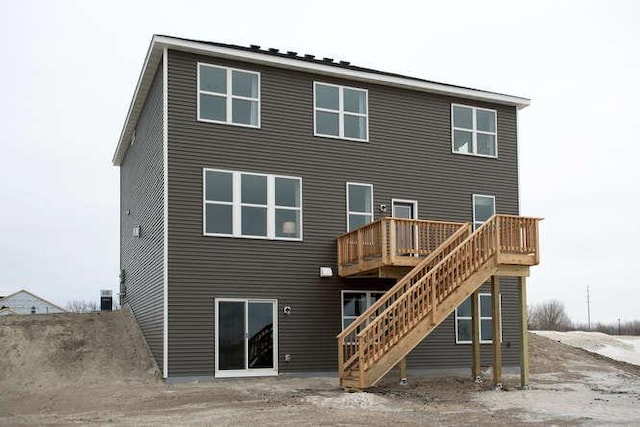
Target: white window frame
{"points": [[237, 205], [349, 212], [474, 131], [229, 97], [480, 319], [477, 224], [340, 111], [248, 372], [369, 303]]}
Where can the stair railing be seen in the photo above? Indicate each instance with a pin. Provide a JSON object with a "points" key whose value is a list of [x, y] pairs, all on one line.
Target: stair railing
{"points": [[347, 348], [431, 288]]}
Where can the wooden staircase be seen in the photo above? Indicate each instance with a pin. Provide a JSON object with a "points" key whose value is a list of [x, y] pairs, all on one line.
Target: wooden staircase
{"points": [[384, 334]]}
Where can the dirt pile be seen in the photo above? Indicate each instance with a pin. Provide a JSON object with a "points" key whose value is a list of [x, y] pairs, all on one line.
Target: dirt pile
{"points": [[48, 351]]}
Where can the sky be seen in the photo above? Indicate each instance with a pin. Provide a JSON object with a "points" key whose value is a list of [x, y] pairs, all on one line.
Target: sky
{"points": [[69, 70]]}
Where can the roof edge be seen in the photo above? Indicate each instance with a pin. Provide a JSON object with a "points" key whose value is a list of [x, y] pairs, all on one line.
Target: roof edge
{"points": [[160, 42], [35, 296]]}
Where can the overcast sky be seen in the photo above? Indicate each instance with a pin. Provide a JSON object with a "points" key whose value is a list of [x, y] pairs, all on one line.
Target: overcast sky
{"points": [[69, 69]]}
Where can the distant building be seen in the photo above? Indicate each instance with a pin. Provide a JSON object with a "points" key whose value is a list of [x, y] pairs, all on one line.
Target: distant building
{"points": [[24, 302]]}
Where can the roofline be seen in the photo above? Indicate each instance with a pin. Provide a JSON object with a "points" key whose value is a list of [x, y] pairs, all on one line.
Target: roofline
{"points": [[159, 43], [35, 296]]}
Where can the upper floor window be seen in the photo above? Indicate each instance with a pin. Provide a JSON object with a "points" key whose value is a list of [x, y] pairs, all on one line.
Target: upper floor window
{"points": [[239, 204], [359, 205], [464, 319], [227, 95], [340, 111], [484, 207], [474, 131]]}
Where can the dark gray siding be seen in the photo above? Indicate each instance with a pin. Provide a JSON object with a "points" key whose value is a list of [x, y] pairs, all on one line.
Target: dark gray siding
{"points": [[408, 156], [142, 203]]}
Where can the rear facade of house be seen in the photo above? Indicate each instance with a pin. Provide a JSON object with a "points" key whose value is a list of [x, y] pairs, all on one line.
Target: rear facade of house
{"points": [[240, 167]]}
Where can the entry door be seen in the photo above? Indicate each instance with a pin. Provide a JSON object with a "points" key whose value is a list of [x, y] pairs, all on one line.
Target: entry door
{"points": [[406, 233], [246, 337]]}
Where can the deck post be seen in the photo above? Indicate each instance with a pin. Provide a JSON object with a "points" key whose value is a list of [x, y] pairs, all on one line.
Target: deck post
{"points": [[496, 320], [403, 371], [475, 337], [383, 238], [360, 249], [392, 241], [524, 334]]}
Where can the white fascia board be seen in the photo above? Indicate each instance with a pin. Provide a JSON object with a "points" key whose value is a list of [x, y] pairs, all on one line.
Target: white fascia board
{"points": [[161, 42], [153, 57]]}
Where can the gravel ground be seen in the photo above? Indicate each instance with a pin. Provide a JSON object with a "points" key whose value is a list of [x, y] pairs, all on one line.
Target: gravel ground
{"points": [[56, 370]]}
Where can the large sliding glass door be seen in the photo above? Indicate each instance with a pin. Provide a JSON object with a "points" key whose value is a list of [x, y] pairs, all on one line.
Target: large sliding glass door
{"points": [[246, 337]]}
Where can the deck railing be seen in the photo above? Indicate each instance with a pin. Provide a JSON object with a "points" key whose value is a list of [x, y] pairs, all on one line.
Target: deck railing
{"points": [[421, 291], [391, 241]]}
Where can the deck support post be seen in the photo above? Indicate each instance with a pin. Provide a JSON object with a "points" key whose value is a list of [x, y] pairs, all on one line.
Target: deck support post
{"points": [[524, 334], [475, 338], [403, 371], [496, 320], [392, 241]]}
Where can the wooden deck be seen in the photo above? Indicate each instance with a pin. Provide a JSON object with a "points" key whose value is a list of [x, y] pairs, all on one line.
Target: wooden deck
{"points": [[390, 247]]}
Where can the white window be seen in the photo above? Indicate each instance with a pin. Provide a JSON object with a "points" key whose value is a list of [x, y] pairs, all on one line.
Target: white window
{"points": [[228, 95], [239, 204], [340, 112], [359, 205], [354, 303], [484, 207], [473, 131], [463, 320]]}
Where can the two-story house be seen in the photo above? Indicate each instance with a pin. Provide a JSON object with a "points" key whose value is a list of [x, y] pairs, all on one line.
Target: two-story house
{"points": [[270, 199]]}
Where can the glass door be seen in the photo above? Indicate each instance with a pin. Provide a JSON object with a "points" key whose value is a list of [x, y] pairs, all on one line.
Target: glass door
{"points": [[246, 337]]}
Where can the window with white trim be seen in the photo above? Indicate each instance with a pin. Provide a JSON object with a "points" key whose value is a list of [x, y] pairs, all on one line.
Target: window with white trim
{"points": [[463, 320], [354, 303], [473, 131], [241, 204], [484, 207], [359, 205], [340, 111], [227, 95]]}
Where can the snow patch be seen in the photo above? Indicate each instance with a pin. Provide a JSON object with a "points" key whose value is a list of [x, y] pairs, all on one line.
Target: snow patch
{"points": [[367, 401], [620, 348]]}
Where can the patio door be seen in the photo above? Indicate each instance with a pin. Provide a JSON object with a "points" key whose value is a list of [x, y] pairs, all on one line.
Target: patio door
{"points": [[406, 232], [246, 337]]}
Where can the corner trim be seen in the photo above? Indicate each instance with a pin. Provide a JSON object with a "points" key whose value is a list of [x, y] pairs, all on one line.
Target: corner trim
{"points": [[165, 168]]}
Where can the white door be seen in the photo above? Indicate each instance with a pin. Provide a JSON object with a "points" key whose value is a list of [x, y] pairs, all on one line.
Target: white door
{"points": [[406, 232], [246, 337]]}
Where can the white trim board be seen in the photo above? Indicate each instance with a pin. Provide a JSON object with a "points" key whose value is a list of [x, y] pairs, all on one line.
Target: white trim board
{"points": [[160, 43], [165, 164]]}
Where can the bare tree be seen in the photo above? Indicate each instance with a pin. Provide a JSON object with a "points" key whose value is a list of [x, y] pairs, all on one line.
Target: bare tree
{"points": [[550, 316], [82, 306]]}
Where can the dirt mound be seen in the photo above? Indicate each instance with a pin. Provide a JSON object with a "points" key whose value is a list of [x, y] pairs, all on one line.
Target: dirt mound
{"points": [[59, 350]]}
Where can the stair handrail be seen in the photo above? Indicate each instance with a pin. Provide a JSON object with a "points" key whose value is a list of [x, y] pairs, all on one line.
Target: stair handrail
{"points": [[397, 290], [493, 222], [401, 283]]}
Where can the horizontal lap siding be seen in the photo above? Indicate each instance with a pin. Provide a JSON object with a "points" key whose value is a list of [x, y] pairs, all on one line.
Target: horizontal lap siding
{"points": [[142, 194], [408, 156]]}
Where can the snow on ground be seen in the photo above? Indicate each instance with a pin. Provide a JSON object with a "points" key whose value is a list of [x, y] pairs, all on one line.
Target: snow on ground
{"points": [[622, 348], [591, 397]]}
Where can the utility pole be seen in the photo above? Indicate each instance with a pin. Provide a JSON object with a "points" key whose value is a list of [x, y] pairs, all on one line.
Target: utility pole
{"points": [[588, 310], [619, 333]]}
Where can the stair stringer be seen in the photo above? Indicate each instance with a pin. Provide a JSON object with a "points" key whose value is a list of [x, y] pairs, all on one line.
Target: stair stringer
{"points": [[428, 324]]}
